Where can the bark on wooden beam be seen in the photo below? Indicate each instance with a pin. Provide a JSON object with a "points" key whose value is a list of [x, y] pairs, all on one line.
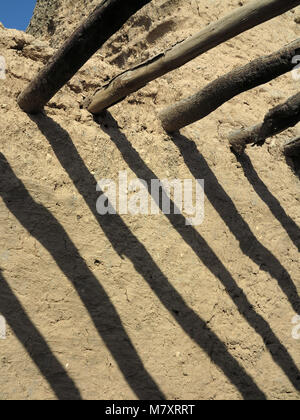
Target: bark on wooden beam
{"points": [[207, 100], [292, 148], [238, 21], [277, 120], [105, 20], [239, 139]]}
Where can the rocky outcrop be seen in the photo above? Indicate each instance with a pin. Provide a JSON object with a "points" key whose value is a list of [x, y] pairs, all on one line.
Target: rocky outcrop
{"points": [[44, 20], [54, 20]]}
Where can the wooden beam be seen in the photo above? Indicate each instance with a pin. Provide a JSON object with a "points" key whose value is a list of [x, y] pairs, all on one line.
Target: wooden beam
{"points": [[239, 139], [278, 119], [108, 17], [221, 90], [236, 22], [292, 147]]}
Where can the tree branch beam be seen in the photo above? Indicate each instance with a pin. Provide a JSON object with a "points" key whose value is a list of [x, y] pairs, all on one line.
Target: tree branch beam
{"points": [[221, 90], [236, 22], [108, 17], [277, 120]]}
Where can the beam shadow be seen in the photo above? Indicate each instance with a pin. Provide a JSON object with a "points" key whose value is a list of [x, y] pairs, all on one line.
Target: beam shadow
{"points": [[126, 244], [294, 163], [267, 197], [227, 210], [35, 344], [43, 226], [206, 255]]}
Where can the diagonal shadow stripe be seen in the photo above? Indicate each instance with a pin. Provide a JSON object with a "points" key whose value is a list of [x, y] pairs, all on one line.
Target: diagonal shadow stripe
{"points": [[291, 228], [191, 236], [227, 210], [35, 344], [126, 244], [43, 226]]}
